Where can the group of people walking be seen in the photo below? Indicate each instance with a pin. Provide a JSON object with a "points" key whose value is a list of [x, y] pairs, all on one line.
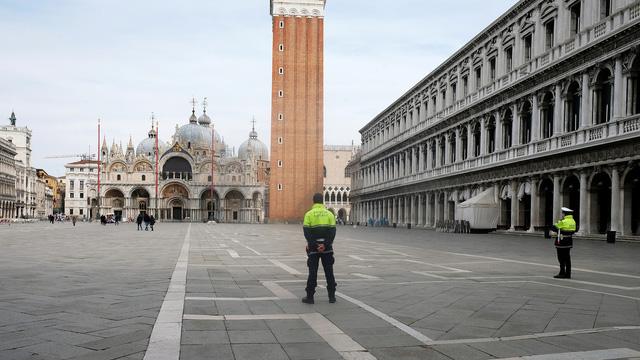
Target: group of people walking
{"points": [[148, 220]]}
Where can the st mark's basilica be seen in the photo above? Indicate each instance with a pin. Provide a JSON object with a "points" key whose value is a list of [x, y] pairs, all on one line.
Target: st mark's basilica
{"points": [[240, 181]]}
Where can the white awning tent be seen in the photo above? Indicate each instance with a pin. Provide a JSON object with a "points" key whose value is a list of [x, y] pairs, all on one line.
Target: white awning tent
{"points": [[481, 211]]}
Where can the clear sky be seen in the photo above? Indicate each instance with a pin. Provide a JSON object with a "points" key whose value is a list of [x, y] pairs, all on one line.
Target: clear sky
{"points": [[65, 63]]}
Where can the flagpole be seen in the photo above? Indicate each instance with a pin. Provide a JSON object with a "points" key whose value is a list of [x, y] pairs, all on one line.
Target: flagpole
{"points": [[157, 156], [99, 152]]}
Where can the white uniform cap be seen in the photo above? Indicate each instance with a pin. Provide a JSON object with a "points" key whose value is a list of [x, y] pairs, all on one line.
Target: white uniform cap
{"points": [[566, 209]]}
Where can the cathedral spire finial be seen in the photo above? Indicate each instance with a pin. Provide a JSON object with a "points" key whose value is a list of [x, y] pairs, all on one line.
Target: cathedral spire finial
{"points": [[193, 105], [253, 124], [204, 105]]}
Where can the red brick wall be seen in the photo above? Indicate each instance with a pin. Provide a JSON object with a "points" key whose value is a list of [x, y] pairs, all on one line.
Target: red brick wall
{"points": [[302, 107]]}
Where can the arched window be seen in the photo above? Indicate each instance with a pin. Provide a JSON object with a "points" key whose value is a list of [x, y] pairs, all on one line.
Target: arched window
{"points": [[572, 108], [443, 147], [144, 177], [464, 142], [326, 197], [118, 177], [507, 128], [546, 110], [333, 197], [602, 97], [477, 135], [452, 146], [491, 135], [525, 125], [633, 88]]}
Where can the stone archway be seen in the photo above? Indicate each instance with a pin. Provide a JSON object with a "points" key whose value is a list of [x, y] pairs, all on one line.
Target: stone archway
{"points": [[631, 205], [209, 209], [233, 204], [176, 202], [600, 199], [342, 216], [140, 201], [114, 202], [571, 197], [546, 192]]}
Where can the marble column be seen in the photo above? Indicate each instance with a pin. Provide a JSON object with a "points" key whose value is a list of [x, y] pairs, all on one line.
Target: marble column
{"points": [[429, 211], [483, 137], [535, 205], [470, 140], [459, 145], [515, 126], [585, 112], [420, 221], [618, 94], [421, 158], [514, 205], [558, 120], [557, 205], [616, 220], [413, 219], [535, 121], [498, 138], [584, 206]]}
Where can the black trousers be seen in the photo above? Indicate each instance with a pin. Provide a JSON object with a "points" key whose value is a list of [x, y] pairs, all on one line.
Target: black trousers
{"points": [[313, 261], [564, 258]]}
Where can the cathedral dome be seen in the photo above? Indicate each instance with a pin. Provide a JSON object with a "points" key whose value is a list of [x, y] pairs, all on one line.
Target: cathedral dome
{"points": [[204, 119], [197, 136], [148, 145], [253, 146]]}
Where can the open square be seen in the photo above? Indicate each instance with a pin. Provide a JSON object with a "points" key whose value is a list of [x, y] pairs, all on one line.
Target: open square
{"points": [[94, 292]]}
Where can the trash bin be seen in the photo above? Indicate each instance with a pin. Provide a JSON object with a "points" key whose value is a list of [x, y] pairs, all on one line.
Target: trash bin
{"points": [[409, 226], [395, 225], [611, 237]]}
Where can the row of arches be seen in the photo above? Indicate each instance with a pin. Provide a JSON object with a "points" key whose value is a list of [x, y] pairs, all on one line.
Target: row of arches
{"points": [[603, 199], [175, 203]]}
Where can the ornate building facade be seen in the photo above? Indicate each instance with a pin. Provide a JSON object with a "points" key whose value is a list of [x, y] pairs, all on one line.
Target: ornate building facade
{"points": [[543, 106], [7, 179], [20, 137], [297, 107], [184, 167], [337, 184]]}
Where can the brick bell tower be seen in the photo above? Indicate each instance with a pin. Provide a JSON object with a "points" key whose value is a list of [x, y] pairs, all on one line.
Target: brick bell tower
{"points": [[297, 107]]}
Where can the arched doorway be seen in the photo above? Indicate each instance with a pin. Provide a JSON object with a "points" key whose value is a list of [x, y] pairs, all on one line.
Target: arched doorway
{"points": [[633, 88], [600, 192], [507, 129], [342, 216], [208, 207], [177, 209], [140, 200], [505, 207], [546, 202], [114, 202], [176, 202], [631, 221], [491, 135], [571, 197], [233, 205], [524, 215]]}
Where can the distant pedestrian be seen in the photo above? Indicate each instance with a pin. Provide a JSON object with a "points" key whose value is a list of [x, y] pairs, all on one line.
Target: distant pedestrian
{"points": [[139, 221], [147, 220], [152, 221], [74, 219], [117, 220], [565, 229], [319, 231], [51, 218]]}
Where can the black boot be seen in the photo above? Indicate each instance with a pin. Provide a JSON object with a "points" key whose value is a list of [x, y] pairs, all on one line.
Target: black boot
{"points": [[332, 297], [308, 299]]}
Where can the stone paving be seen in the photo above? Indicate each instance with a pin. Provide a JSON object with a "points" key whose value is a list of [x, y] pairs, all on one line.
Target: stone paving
{"points": [[95, 292]]}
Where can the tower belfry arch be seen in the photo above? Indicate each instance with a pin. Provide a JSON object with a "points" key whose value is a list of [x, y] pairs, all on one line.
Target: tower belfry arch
{"points": [[297, 107]]}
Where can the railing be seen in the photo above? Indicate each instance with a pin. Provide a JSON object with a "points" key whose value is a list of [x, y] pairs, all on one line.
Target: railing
{"points": [[185, 176], [586, 37], [584, 136]]}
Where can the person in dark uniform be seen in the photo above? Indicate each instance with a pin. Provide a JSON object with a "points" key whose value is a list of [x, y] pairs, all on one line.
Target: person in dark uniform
{"points": [[319, 230], [565, 229]]}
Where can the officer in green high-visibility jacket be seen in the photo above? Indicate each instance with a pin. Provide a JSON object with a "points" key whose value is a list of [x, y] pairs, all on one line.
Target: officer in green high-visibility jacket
{"points": [[565, 229], [319, 230]]}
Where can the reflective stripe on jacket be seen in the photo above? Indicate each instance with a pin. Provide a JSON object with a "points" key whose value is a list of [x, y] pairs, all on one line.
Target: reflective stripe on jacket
{"points": [[319, 228]]}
